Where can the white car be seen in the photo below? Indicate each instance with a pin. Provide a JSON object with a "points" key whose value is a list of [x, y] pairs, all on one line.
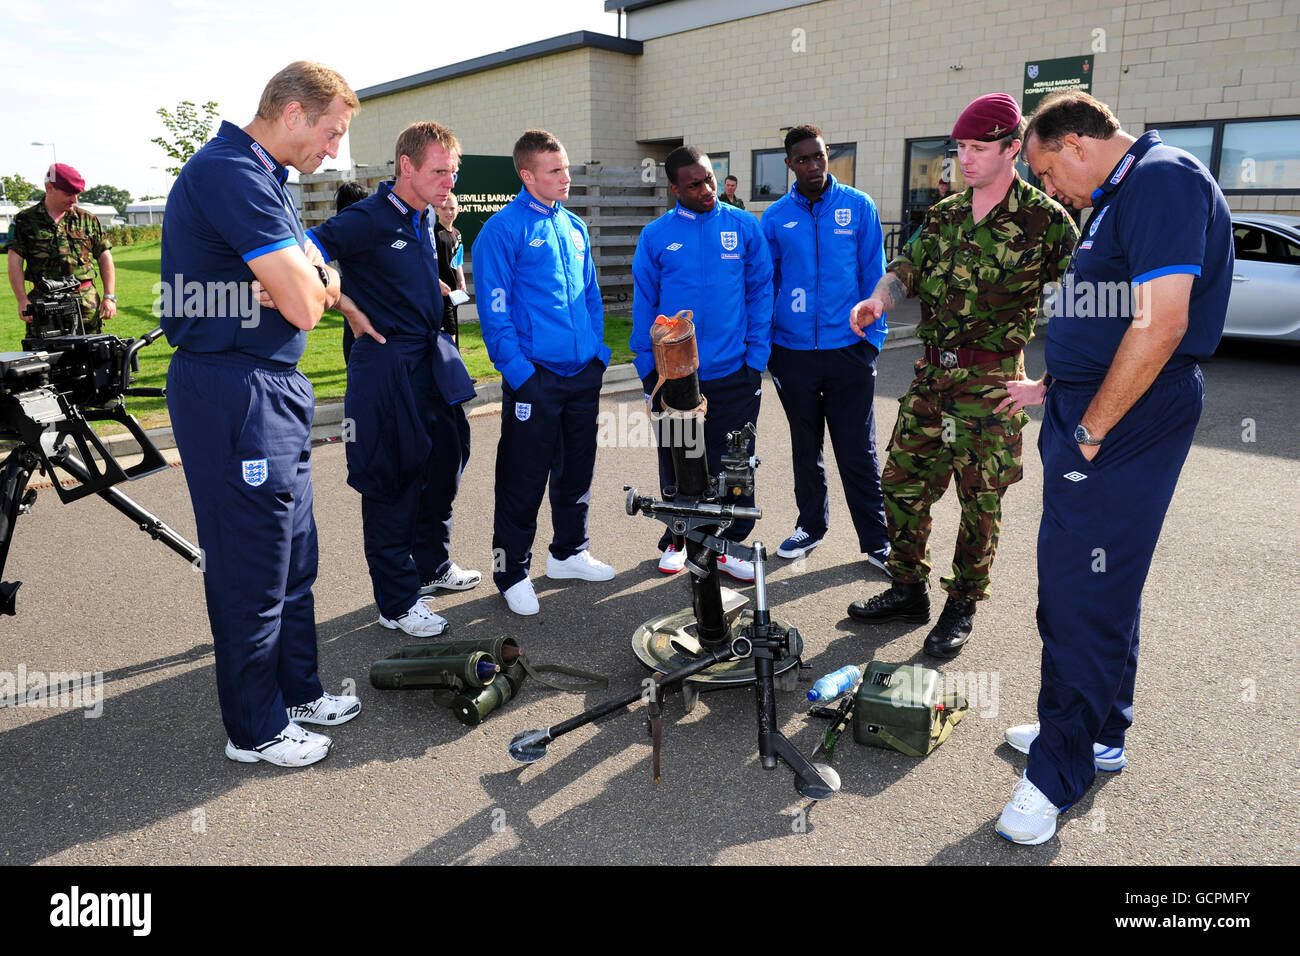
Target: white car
{"points": [[1265, 299]]}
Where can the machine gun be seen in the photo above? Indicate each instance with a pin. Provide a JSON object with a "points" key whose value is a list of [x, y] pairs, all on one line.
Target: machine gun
{"points": [[715, 638], [50, 393]]}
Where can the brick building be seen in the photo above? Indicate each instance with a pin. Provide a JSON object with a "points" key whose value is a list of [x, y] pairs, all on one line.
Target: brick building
{"points": [[884, 78]]}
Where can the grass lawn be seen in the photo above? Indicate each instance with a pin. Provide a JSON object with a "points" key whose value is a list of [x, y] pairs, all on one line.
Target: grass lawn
{"points": [[138, 270]]}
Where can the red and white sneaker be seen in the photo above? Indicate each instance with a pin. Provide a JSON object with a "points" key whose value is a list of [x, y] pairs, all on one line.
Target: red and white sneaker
{"points": [[673, 560], [738, 568]]}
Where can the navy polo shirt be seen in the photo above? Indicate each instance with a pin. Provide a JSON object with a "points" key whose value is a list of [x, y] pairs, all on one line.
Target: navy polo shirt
{"points": [[229, 206], [390, 261], [1158, 213]]}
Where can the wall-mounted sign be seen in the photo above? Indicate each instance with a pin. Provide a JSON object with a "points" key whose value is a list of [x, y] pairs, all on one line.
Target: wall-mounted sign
{"points": [[1052, 76], [485, 185]]}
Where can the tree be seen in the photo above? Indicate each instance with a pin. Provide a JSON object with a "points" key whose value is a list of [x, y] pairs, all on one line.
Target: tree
{"points": [[18, 190], [108, 196], [189, 130]]}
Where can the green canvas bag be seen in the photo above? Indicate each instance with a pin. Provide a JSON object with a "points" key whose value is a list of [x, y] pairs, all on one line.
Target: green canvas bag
{"points": [[898, 706]]}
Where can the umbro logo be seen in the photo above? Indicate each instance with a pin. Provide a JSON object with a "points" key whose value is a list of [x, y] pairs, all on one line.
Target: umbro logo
{"points": [[790, 225], [539, 241], [1074, 475], [674, 247], [1123, 169], [400, 244]]}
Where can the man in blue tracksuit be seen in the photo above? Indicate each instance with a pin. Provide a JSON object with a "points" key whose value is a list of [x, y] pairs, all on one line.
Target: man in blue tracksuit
{"points": [[242, 412], [407, 439], [543, 323], [1145, 297], [711, 258], [828, 252]]}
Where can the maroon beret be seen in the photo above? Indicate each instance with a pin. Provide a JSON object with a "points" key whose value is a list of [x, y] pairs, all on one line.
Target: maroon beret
{"points": [[990, 117], [63, 176]]}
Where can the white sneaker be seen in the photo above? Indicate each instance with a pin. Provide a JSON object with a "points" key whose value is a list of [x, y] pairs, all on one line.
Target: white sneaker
{"points": [[1030, 818], [878, 559], [1107, 758], [673, 560], [797, 545], [521, 598], [738, 568], [328, 709], [581, 566], [292, 747], [419, 621], [453, 579]]}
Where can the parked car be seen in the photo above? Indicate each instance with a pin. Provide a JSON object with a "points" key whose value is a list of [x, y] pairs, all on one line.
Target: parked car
{"points": [[1265, 300]]}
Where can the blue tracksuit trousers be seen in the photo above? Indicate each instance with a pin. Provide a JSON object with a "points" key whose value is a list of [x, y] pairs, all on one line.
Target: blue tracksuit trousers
{"points": [[1101, 520]]}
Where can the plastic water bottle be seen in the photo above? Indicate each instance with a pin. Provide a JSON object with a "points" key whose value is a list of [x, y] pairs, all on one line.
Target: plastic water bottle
{"points": [[834, 684]]}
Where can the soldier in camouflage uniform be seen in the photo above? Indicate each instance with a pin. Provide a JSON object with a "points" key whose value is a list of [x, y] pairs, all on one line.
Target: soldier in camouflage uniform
{"points": [[978, 265], [55, 240]]}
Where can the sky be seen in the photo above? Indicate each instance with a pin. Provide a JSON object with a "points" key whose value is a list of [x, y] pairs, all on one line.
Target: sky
{"points": [[89, 77]]}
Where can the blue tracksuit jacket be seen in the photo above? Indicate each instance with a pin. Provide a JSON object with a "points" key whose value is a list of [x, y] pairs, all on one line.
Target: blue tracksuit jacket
{"points": [[535, 281], [717, 265], [827, 256]]}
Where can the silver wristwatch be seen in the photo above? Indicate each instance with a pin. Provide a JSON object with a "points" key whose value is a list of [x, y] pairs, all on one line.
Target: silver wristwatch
{"points": [[1084, 437]]}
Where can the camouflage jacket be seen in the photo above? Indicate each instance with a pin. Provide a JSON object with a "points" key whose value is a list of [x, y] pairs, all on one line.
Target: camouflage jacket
{"points": [[980, 285], [50, 250]]}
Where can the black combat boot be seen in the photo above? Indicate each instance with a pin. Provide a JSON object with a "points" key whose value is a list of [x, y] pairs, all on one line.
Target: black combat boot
{"points": [[902, 602], [952, 629]]}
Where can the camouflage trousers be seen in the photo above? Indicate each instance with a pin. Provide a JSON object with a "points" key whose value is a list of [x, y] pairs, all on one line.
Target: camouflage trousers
{"points": [[946, 426], [90, 317]]}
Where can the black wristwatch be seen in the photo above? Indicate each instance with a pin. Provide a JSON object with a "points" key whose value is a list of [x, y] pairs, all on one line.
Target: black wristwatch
{"points": [[324, 276], [1084, 437]]}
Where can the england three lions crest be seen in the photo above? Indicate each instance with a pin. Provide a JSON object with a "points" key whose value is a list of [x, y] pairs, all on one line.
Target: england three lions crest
{"points": [[729, 241], [255, 472], [843, 217]]}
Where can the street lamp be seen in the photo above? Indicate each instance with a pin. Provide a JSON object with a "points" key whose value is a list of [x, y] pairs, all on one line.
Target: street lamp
{"points": [[166, 189], [51, 146]]}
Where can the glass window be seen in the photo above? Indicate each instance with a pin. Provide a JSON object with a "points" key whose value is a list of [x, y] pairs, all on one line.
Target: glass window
{"points": [[1260, 155], [721, 166], [1249, 244], [841, 161], [1259, 245], [928, 161], [1197, 140], [770, 175], [1283, 249], [1254, 155]]}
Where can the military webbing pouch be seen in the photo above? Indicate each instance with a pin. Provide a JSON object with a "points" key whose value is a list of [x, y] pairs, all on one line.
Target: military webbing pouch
{"points": [[898, 706]]}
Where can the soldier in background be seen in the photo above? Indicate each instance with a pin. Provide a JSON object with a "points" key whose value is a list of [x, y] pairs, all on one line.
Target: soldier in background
{"points": [[729, 193], [55, 240], [978, 265]]}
